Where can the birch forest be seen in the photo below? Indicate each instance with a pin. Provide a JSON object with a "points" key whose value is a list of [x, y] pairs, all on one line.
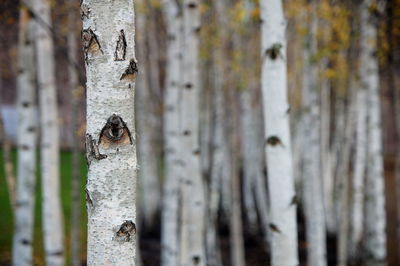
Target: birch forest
{"points": [[200, 132]]}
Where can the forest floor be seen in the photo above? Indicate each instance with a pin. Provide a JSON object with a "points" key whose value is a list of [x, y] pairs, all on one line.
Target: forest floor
{"points": [[255, 253]]}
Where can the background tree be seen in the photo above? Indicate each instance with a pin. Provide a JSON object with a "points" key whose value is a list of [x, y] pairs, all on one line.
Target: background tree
{"points": [[27, 141]]}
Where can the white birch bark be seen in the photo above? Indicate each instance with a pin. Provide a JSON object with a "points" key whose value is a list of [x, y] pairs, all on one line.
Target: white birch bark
{"points": [[111, 68], [375, 215], [359, 165], [27, 141], [312, 183], [76, 94], [192, 187], [170, 235], [53, 228], [277, 135]]}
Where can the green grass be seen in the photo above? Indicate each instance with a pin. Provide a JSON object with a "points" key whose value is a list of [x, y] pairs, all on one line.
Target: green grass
{"points": [[6, 215]]}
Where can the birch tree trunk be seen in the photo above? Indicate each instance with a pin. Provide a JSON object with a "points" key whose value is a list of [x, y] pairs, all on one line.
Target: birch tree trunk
{"points": [[76, 93], [192, 187], [27, 141], [312, 183], [111, 69], [375, 215], [53, 229], [217, 167], [170, 234], [277, 135], [344, 180], [359, 165]]}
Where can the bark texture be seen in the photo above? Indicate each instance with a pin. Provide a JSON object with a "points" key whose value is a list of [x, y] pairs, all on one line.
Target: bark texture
{"points": [[27, 141], [277, 135], [111, 68]]}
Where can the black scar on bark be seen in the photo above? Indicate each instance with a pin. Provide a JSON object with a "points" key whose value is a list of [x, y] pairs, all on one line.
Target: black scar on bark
{"points": [[56, 253], [274, 51], [120, 49], [115, 131], [92, 150], [192, 5], [125, 231], [131, 71], [25, 242], [88, 198], [90, 42], [274, 228], [196, 259], [274, 141]]}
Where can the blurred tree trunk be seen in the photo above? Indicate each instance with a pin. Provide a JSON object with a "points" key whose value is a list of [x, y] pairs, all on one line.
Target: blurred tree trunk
{"points": [[359, 165], [326, 154], [192, 188], [111, 69], [27, 141], [277, 135], [343, 177], [147, 120], [252, 128], [76, 93], [375, 216], [6, 150], [218, 165], [312, 182], [170, 251], [53, 228]]}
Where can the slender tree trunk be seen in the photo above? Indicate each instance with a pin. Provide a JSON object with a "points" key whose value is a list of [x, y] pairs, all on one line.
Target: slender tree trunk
{"points": [[217, 168], [192, 187], [111, 68], [375, 217], [344, 179], [236, 226], [170, 233], [147, 129], [76, 94], [7, 160], [53, 229], [312, 183], [277, 135], [359, 165], [326, 160], [27, 141]]}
